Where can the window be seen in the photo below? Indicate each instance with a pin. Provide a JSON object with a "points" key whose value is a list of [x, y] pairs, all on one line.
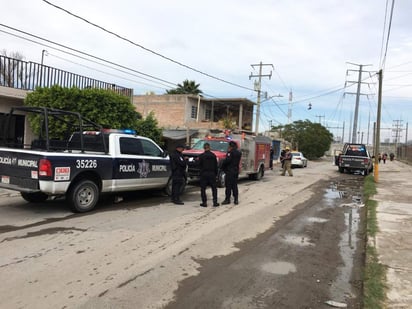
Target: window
{"points": [[208, 114], [193, 113], [131, 146], [151, 149]]}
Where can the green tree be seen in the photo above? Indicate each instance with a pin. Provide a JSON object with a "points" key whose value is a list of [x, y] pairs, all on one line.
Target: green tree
{"points": [[148, 127], [188, 87], [312, 139], [104, 107]]}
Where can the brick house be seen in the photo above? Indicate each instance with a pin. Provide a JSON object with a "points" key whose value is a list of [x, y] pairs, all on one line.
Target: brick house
{"points": [[185, 116]]}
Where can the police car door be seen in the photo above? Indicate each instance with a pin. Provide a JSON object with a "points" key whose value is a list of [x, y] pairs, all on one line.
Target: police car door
{"points": [[141, 165]]}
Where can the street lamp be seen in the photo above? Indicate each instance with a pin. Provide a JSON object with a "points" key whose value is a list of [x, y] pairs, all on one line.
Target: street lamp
{"points": [[43, 53]]}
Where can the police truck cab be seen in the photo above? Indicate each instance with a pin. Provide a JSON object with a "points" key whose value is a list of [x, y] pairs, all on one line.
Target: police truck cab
{"points": [[90, 162]]}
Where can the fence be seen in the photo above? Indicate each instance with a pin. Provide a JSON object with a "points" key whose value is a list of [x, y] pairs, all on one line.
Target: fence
{"points": [[16, 73], [404, 153]]}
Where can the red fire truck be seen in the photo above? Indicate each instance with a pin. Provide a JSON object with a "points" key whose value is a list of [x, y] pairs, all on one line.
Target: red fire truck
{"points": [[255, 155]]}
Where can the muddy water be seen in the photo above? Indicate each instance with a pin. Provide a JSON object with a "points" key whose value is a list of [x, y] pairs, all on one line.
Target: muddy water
{"points": [[346, 194], [310, 257]]}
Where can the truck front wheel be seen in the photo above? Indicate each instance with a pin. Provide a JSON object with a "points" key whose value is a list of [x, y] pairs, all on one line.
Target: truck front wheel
{"points": [[35, 197], [83, 196]]}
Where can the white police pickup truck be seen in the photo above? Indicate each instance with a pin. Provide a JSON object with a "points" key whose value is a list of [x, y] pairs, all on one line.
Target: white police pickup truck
{"points": [[90, 162]]}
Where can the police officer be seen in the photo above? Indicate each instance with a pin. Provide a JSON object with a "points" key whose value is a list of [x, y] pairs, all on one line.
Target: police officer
{"points": [[208, 174], [178, 164], [231, 168], [287, 166]]}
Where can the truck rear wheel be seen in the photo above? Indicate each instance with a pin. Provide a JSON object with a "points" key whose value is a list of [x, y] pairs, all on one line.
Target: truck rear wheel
{"points": [[260, 173], [34, 197], [83, 196]]}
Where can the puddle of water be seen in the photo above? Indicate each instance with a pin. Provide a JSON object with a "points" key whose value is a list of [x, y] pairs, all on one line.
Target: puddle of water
{"points": [[298, 240], [317, 220], [279, 268], [347, 195]]}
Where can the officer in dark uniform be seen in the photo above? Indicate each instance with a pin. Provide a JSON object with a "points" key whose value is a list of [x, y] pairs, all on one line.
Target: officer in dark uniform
{"points": [[178, 164], [231, 168], [208, 174]]}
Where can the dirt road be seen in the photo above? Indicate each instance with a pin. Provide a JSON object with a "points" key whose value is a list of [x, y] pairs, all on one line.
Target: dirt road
{"points": [[148, 253]]}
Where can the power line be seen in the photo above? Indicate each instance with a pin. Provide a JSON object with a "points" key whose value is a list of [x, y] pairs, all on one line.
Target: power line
{"points": [[80, 52], [389, 33], [107, 73], [145, 48]]}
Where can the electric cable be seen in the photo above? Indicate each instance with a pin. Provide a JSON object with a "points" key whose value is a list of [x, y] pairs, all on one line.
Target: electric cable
{"points": [[145, 48], [81, 52]]}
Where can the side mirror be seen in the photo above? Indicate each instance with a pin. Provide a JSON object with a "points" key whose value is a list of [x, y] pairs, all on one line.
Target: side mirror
{"points": [[165, 154]]}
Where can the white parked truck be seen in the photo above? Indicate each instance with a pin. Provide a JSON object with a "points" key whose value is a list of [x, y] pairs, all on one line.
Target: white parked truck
{"points": [[91, 161]]}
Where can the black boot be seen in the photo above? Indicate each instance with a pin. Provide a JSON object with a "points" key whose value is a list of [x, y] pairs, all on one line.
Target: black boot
{"points": [[225, 202]]}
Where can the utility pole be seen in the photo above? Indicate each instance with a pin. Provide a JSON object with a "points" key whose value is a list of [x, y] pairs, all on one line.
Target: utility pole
{"points": [[258, 86], [319, 116], [397, 129], [378, 128], [358, 94], [337, 127], [290, 106], [369, 122]]}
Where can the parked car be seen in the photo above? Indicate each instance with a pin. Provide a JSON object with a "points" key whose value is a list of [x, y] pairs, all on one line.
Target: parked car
{"points": [[298, 159]]}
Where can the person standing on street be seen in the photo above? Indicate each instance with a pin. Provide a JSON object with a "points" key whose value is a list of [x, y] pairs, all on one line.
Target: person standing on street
{"points": [[271, 158], [287, 162], [282, 158], [208, 174], [231, 168], [178, 164]]}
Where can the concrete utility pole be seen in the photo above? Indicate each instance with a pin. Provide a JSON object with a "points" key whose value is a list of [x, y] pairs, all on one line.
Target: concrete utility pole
{"points": [[258, 85], [290, 106], [378, 128], [358, 94]]}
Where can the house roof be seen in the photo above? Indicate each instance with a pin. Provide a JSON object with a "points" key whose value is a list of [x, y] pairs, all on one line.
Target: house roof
{"points": [[225, 100], [178, 134]]}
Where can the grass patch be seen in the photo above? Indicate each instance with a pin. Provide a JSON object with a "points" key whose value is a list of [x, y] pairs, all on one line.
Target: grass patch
{"points": [[374, 275]]}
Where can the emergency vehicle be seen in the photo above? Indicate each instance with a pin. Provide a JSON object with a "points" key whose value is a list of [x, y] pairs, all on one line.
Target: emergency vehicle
{"points": [[90, 162], [255, 155]]}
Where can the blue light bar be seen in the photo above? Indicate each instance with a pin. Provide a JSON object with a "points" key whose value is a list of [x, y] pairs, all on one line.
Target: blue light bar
{"points": [[124, 131]]}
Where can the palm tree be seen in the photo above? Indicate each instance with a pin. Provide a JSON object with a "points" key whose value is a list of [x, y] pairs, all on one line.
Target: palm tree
{"points": [[188, 87]]}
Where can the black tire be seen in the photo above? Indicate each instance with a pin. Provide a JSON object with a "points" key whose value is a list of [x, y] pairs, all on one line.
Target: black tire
{"points": [[35, 197], [260, 173], [221, 179], [366, 172], [83, 196]]}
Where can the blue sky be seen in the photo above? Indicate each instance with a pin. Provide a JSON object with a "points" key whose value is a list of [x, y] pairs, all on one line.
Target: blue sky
{"points": [[309, 44]]}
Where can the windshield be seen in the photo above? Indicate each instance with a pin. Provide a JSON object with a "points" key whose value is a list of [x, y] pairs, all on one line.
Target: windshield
{"points": [[214, 145]]}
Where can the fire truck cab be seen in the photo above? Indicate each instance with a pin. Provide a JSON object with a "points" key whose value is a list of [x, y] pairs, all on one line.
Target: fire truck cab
{"points": [[255, 155]]}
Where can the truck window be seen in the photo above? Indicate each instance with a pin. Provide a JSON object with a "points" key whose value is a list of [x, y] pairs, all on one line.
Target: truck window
{"points": [[151, 149], [131, 146]]}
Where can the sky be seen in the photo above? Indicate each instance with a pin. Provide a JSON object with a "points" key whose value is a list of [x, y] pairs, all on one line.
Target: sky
{"points": [[311, 49]]}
